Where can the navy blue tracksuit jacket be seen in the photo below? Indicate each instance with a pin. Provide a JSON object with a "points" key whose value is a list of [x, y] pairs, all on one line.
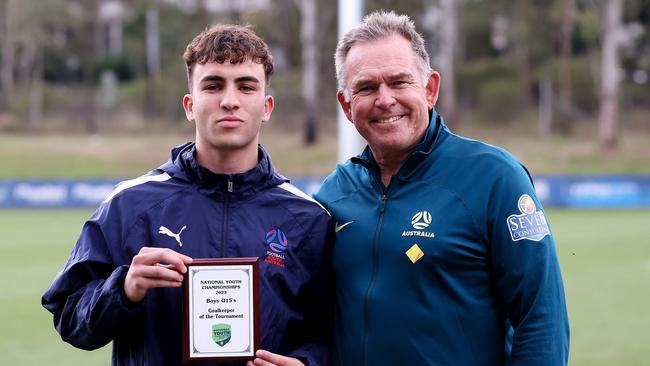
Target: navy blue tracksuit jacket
{"points": [[185, 207]]}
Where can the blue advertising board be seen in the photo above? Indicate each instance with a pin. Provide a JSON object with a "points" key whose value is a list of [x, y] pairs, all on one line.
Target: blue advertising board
{"points": [[54, 193], [595, 191]]}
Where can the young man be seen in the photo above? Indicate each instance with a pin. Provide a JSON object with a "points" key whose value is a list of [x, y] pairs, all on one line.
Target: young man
{"points": [[440, 240], [216, 197]]}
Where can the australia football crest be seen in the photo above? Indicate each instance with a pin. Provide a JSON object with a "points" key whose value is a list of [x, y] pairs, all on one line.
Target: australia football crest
{"points": [[221, 333], [420, 221], [276, 253], [530, 224]]}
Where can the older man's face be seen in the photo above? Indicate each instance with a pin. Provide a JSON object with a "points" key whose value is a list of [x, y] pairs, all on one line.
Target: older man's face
{"points": [[389, 101]]}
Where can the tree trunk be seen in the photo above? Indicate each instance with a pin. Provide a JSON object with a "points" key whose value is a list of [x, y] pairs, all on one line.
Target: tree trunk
{"points": [[153, 60], [115, 36], [522, 51], [545, 106], [310, 67], [611, 18], [447, 58], [7, 50], [89, 46], [35, 119], [565, 117]]}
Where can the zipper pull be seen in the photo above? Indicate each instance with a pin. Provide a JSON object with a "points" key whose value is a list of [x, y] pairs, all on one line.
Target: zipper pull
{"points": [[230, 185], [384, 198]]}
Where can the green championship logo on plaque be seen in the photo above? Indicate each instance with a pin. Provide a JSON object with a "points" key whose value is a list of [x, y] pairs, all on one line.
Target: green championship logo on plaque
{"points": [[221, 333]]}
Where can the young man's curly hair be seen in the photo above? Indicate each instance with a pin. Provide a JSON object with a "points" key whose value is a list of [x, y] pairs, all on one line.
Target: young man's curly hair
{"points": [[227, 43]]}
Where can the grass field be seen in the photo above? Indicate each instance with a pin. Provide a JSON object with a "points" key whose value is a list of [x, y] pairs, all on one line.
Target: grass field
{"points": [[605, 258], [34, 246], [133, 154]]}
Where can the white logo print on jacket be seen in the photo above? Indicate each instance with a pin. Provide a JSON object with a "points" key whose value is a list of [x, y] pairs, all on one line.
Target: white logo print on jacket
{"points": [[166, 231]]}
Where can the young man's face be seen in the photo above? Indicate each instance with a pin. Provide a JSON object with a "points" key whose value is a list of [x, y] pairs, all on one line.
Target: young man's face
{"points": [[389, 102], [228, 104]]}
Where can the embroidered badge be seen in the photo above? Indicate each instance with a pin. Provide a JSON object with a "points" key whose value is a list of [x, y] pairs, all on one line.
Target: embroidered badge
{"points": [[531, 224], [420, 221], [277, 242]]}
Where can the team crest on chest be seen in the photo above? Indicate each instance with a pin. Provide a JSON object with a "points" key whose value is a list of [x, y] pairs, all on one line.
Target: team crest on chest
{"points": [[530, 224], [276, 251], [420, 221]]}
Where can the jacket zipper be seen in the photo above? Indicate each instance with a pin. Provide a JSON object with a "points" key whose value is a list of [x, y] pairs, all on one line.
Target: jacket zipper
{"points": [[224, 229], [375, 254]]}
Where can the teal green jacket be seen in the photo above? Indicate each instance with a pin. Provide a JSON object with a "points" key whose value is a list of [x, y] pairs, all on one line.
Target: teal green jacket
{"points": [[434, 268]]}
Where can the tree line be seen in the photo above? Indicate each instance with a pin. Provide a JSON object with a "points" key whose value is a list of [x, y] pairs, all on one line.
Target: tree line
{"points": [[92, 64]]}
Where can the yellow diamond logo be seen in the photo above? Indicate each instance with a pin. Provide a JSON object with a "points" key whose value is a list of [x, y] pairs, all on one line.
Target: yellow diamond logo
{"points": [[414, 253]]}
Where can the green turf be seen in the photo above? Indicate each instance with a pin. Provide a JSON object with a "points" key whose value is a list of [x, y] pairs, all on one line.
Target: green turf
{"points": [[605, 259], [35, 244]]}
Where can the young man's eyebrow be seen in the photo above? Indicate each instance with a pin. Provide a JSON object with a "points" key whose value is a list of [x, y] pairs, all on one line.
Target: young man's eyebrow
{"points": [[212, 78], [251, 79], [240, 79]]}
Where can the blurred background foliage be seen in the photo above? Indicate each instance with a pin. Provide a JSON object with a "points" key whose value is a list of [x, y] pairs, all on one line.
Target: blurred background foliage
{"points": [[114, 66]]}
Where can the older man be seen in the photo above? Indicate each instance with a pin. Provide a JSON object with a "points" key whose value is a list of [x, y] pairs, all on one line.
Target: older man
{"points": [[441, 242]]}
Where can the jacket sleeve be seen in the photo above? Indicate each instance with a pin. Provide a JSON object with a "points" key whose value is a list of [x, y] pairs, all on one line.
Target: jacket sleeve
{"points": [[87, 296], [526, 271], [317, 296]]}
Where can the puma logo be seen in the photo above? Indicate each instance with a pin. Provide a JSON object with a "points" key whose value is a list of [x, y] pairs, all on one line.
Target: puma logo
{"points": [[166, 231]]}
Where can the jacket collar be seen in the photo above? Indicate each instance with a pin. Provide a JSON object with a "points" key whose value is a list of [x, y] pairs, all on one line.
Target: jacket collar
{"points": [[436, 132], [183, 165]]}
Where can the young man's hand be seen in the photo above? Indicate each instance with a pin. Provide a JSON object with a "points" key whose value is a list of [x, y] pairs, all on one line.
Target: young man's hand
{"points": [[154, 267], [266, 358]]}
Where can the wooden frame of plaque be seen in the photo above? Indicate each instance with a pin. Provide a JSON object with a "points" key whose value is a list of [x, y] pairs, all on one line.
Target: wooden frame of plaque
{"points": [[221, 310]]}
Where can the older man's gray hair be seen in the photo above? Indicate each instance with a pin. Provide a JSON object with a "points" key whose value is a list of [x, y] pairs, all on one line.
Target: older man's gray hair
{"points": [[374, 26]]}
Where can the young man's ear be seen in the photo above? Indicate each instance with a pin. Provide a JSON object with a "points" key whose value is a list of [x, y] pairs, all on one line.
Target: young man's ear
{"points": [[345, 105], [269, 103], [188, 106]]}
